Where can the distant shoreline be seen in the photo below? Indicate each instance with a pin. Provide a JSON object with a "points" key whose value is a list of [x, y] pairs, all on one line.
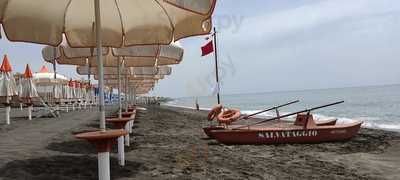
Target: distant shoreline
{"points": [[294, 90]]}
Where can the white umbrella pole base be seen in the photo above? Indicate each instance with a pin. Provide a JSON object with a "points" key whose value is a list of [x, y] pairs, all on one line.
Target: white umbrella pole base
{"points": [[130, 127], [127, 138], [121, 151], [58, 110], [8, 110], [103, 141], [104, 165], [21, 107], [30, 112]]}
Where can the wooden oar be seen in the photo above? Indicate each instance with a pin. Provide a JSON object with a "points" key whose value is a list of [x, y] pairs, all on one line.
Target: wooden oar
{"points": [[276, 107], [290, 114]]}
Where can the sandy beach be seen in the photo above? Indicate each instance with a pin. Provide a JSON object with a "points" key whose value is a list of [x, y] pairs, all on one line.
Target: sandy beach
{"points": [[168, 143]]}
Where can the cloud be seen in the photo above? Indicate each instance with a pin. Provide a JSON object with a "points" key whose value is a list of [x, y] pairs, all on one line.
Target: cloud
{"points": [[278, 24]]}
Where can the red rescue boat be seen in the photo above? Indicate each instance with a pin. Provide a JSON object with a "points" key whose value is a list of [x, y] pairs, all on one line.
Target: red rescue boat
{"points": [[303, 130], [312, 133], [208, 129]]}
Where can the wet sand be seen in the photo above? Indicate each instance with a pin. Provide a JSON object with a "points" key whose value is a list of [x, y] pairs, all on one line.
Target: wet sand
{"points": [[168, 143]]}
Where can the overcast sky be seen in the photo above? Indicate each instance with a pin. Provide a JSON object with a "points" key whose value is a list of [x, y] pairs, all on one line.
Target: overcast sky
{"points": [[269, 45]]}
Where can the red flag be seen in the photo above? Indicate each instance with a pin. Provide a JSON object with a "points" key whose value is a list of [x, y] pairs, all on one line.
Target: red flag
{"points": [[207, 49]]}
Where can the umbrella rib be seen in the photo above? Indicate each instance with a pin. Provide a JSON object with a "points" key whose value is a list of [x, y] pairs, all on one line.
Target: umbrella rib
{"points": [[65, 16], [170, 20], [122, 24]]}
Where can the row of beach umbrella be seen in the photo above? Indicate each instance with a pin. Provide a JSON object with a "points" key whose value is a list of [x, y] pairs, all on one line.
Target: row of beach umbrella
{"points": [[30, 87], [97, 27]]}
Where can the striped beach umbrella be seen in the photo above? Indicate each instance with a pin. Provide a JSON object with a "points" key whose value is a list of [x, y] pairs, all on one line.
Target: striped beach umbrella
{"points": [[8, 87], [28, 90]]}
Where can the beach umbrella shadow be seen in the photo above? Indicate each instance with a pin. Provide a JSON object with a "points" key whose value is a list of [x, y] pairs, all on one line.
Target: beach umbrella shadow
{"points": [[82, 147], [366, 141], [74, 147], [64, 168]]}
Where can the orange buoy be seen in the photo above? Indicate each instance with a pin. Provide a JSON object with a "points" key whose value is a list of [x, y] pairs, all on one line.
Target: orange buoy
{"points": [[214, 112], [228, 116]]}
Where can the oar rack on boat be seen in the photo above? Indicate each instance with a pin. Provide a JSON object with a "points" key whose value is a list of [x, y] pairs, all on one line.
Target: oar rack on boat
{"points": [[303, 130], [308, 111]]}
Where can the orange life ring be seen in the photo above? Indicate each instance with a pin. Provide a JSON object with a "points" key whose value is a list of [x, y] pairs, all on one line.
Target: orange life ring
{"points": [[214, 112], [228, 116]]}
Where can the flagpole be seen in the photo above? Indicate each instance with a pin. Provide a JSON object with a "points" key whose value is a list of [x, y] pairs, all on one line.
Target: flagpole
{"points": [[216, 66]]}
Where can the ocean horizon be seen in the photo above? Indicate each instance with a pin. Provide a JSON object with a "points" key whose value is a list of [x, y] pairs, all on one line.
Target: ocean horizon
{"points": [[375, 105]]}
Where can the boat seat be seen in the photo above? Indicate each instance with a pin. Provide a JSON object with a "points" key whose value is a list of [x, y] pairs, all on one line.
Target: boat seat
{"points": [[301, 120]]}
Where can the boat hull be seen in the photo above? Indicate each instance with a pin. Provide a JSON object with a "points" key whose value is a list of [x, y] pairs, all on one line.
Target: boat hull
{"points": [[294, 135], [207, 130]]}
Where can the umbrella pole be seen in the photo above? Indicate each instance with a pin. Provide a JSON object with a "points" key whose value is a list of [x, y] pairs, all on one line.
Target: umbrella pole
{"points": [[119, 90], [55, 80], [103, 157], [216, 66], [126, 92], [130, 123], [121, 151], [104, 164], [130, 95], [30, 112], [121, 148], [30, 107], [8, 109], [127, 138], [89, 89], [134, 96], [99, 58]]}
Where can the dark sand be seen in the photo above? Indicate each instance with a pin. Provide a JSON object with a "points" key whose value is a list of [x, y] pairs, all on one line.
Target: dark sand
{"points": [[168, 143]]}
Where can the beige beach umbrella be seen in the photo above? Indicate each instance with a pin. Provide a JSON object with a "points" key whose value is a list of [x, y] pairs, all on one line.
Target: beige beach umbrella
{"points": [[28, 89], [114, 83], [162, 70], [131, 77], [8, 87], [134, 56], [123, 22], [131, 73], [136, 73], [48, 87]]}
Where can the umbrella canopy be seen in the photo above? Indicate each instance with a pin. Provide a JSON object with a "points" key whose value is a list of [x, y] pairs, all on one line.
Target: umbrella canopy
{"points": [[44, 76], [133, 81], [133, 77], [8, 86], [114, 83], [124, 22], [27, 86], [162, 70], [135, 56]]}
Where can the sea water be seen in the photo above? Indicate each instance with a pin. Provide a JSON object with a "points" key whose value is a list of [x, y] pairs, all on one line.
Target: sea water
{"points": [[377, 106]]}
